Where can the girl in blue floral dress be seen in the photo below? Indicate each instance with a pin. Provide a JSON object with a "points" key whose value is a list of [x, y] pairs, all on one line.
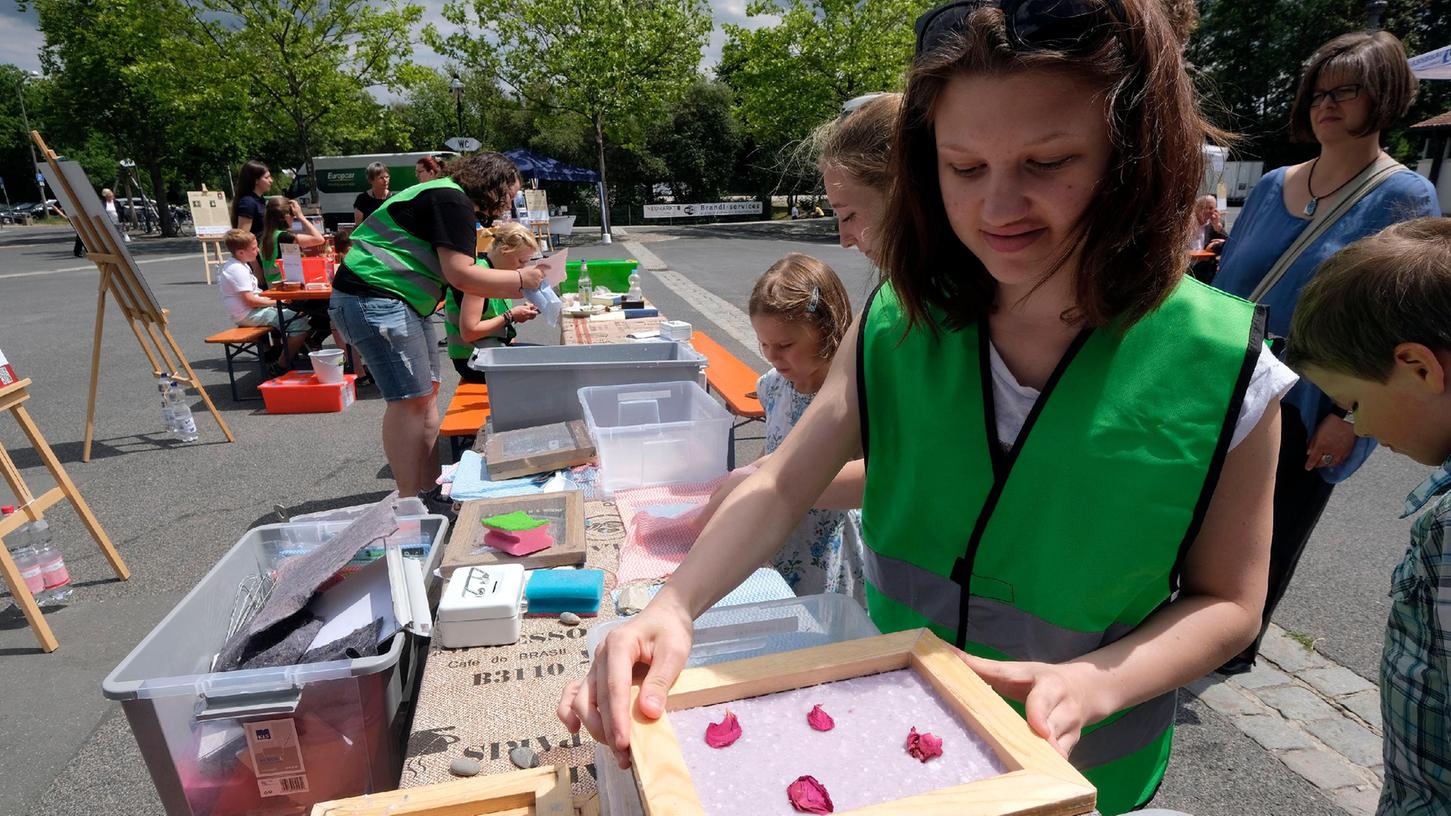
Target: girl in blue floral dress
{"points": [[800, 310]]}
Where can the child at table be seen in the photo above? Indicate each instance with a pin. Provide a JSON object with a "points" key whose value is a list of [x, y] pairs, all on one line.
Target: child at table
{"points": [[240, 297], [476, 322], [800, 311], [1370, 331]]}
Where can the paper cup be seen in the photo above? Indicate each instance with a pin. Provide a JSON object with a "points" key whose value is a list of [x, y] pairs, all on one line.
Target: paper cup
{"points": [[327, 365]]}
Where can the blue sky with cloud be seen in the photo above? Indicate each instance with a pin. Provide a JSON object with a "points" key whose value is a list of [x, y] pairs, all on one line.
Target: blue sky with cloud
{"points": [[20, 40]]}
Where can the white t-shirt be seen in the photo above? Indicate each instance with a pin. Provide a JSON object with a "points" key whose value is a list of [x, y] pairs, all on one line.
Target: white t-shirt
{"points": [[234, 279], [1012, 402]]}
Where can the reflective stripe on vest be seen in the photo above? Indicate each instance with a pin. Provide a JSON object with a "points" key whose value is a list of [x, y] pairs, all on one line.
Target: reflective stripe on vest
{"points": [[458, 347], [388, 257], [1069, 540]]}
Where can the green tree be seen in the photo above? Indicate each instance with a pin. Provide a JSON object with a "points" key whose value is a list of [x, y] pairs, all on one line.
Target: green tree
{"points": [[792, 76], [125, 69], [617, 64], [698, 143], [308, 63]]}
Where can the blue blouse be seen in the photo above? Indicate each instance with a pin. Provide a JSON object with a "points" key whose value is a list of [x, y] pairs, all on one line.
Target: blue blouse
{"points": [[1265, 229]]}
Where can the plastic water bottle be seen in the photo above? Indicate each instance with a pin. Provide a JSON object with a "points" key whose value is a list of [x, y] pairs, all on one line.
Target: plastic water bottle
{"points": [[181, 413], [24, 556], [585, 285], [168, 417], [635, 294], [55, 578]]}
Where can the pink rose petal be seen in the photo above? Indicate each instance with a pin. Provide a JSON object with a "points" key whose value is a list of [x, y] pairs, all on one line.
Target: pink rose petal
{"points": [[923, 746], [809, 796], [723, 733], [819, 719]]}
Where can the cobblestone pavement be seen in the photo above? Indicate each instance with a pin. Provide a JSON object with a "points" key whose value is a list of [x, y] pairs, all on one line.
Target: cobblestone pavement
{"points": [[1320, 719]]}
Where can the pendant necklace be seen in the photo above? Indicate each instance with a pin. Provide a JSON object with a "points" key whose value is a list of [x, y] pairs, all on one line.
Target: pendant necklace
{"points": [[1310, 178]]}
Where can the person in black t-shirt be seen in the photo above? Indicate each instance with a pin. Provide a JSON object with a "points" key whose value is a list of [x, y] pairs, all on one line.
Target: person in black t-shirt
{"points": [[373, 197], [250, 207]]}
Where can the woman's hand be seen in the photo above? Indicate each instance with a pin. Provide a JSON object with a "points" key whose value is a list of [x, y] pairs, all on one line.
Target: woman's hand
{"points": [[523, 313], [1335, 439], [530, 277], [1055, 704], [660, 636]]}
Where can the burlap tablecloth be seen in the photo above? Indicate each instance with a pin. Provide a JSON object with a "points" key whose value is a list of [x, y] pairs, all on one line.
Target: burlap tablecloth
{"points": [[484, 702]]}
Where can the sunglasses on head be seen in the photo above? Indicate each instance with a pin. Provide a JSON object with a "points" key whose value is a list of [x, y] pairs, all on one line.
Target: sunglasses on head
{"points": [[1033, 25]]}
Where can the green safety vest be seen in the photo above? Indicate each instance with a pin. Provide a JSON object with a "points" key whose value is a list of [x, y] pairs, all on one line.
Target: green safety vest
{"points": [[269, 265], [1069, 540], [458, 347], [388, 257]]}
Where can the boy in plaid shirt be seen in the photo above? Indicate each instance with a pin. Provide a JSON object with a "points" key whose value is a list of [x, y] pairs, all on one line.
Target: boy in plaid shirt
{"points": [[1373, 330]]}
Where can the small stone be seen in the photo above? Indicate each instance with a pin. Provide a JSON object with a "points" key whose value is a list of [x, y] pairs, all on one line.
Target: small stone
{"points": [[568, 618], [524, 757], [465, 766], [633, 598]]}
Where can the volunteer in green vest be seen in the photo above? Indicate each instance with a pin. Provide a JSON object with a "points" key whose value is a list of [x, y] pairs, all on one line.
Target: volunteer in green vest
{"points": [[473, 322], [1069, 447], [392, 280]]}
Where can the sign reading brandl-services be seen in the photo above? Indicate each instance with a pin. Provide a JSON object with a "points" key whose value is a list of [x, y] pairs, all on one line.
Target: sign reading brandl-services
{"points": [[696, 210]]}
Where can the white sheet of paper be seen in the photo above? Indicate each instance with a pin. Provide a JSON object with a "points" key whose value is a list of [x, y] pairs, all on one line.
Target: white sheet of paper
{"points": [[553, 267], [292, 263], [359, 600]]}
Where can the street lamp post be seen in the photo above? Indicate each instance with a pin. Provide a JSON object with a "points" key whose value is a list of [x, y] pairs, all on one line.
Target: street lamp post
{"points": [[1373, 11], [25, 117], [457, 86]]}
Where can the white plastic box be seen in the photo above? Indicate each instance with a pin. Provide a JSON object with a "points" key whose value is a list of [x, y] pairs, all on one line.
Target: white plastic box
{"points": [[654, 434]]}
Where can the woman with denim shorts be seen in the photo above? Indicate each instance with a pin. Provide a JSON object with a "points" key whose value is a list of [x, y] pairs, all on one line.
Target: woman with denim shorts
{"points": [[403, 257]]}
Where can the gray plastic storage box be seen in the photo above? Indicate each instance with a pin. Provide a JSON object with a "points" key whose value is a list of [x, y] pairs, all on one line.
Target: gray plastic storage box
{"points": [[539, 385], [318, 731]]}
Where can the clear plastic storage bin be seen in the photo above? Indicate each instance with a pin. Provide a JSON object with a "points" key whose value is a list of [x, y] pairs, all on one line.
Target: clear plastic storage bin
{"points": [[203, 734], [665, 433], [538, 385]]}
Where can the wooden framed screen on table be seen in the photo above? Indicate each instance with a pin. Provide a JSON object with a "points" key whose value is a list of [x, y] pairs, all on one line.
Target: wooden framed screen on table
{"points": [[564, 511], [1035, 779], [536, 792]]}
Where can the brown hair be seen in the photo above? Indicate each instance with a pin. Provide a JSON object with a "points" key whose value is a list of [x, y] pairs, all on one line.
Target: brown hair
{"points": [[276, 217], [431, 164], [238, 240], [800, 288], [251, 173], [1131, 235], [375, 171], [486, 179], [1183, 17], [859, 142], [1379, 64], [1390, 288]]}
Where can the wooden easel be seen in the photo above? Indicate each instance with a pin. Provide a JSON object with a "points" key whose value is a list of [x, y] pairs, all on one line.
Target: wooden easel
{"points": [[204, 219], [12, 399], [121, 278]]}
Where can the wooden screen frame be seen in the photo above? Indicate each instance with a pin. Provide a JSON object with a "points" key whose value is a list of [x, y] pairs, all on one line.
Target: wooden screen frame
{"points": [[542, 791], [1039, 781], [468, 533]]}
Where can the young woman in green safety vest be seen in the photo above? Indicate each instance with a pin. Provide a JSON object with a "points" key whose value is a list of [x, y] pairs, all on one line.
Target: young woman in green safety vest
{"points": [[277, 220], [1069, 445], [403, 256]]}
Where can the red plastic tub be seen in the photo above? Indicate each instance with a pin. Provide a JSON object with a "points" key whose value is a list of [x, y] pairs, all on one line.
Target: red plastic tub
{"points": [[299, 392]]}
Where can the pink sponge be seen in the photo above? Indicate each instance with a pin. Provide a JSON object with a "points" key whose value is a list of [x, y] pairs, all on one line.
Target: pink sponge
{"points": [[520, 543]]}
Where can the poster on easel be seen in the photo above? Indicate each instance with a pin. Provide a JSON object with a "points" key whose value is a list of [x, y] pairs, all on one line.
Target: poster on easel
{"points": [[89, 206], [210, 214]]}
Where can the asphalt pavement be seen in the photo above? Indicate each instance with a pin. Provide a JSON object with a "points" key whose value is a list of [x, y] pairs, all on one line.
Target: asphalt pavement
{"points": [[173, 509]]}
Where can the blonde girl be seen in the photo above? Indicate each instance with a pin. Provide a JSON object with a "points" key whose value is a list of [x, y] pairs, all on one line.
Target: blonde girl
{"points": [[474, 321]]}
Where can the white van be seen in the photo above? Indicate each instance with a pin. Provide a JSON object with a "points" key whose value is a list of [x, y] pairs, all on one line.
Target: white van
{"points": [[341, 178]]}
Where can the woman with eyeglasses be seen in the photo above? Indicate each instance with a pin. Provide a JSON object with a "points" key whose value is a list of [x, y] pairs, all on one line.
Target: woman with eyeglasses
{"points": [[1352, 89], [402, 259], [368, 201], [1066, 440]]}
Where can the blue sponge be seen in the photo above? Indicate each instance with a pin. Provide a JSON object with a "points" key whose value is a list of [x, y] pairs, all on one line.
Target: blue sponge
{"points": [[552, 591]]}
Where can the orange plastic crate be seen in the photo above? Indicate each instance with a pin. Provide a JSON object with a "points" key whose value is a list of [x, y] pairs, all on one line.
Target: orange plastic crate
{"points": [[299, 392]]}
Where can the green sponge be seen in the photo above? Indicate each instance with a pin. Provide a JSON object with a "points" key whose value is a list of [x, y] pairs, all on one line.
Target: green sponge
{"points": [[515, 522]]}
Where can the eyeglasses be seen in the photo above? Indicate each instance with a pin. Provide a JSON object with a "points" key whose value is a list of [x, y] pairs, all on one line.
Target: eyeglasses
{"points": [[1340, 93], [1033, 25]]}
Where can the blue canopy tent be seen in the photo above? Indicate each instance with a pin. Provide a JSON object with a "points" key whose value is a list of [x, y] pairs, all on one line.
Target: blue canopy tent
{"points": [[534, 167]]}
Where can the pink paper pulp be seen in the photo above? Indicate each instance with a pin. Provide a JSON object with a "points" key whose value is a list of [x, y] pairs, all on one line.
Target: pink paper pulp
{"points": [[860, 761]]}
